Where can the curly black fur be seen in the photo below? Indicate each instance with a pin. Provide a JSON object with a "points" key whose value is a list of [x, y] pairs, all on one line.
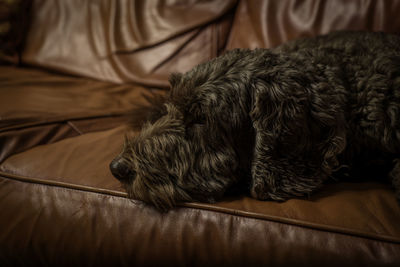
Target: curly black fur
{"points": [[282, 119]]}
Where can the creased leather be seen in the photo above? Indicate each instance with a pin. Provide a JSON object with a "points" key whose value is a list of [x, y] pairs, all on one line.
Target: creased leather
{"points": [[32, 96], [270, 23], [38, 107], [124, 41], [17, 140]]}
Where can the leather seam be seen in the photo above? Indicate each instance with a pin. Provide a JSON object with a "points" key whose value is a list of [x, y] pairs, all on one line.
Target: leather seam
{"points": [[277, 219]]}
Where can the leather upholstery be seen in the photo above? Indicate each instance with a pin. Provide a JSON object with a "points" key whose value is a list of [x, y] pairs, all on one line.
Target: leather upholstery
{"points": [[62, 120], [270, 23], [122, 41]]}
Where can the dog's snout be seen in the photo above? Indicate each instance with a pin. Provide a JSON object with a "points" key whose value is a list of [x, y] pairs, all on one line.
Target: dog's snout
{"points": [[119, 169]]}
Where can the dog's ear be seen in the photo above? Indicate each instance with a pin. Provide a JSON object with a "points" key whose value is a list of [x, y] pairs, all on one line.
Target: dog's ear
{"points": [[300, 130]]}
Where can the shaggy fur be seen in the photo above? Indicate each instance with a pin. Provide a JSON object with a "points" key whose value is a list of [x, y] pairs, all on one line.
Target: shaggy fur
{"points": [[278, 121]]}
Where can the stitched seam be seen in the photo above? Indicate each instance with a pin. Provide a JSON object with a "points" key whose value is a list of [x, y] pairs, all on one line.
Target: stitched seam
{"points": [[271, 218]]}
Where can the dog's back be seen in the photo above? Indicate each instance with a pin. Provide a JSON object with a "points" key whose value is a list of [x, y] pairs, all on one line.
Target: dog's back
{"points": [[368, 64]]}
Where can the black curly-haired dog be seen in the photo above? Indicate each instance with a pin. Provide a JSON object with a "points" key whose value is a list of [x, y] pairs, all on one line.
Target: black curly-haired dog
{"points": [[281, 120]]}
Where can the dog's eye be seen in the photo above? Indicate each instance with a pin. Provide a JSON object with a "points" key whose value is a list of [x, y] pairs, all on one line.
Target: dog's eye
{"points": [[132, 174], [194, 129], [197, 121], [198, 124]]}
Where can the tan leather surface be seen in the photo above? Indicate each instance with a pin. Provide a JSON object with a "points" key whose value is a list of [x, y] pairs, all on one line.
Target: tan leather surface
{"points": [[30, 96], [38, 107], [81, 160], [60, 204], [270, 23], [125, 41]]}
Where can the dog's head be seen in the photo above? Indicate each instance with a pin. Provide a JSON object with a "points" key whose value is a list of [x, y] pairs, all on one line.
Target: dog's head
{"points": [[152, 163], [163, 166]]}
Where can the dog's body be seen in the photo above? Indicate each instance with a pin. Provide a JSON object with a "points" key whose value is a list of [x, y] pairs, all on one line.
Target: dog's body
{"points": [[283, 119]]}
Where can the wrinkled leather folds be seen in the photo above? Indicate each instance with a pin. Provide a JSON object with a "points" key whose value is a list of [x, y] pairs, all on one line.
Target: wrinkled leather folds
{"points": [[125, 41], [39, 107], [63, 117], [270, 23]]}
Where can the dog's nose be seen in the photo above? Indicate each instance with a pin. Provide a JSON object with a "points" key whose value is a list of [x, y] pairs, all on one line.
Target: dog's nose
{"points": [[119, 169]]}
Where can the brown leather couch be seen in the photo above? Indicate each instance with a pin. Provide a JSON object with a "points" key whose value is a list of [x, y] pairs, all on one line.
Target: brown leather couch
{"points": [[63, 109]]}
